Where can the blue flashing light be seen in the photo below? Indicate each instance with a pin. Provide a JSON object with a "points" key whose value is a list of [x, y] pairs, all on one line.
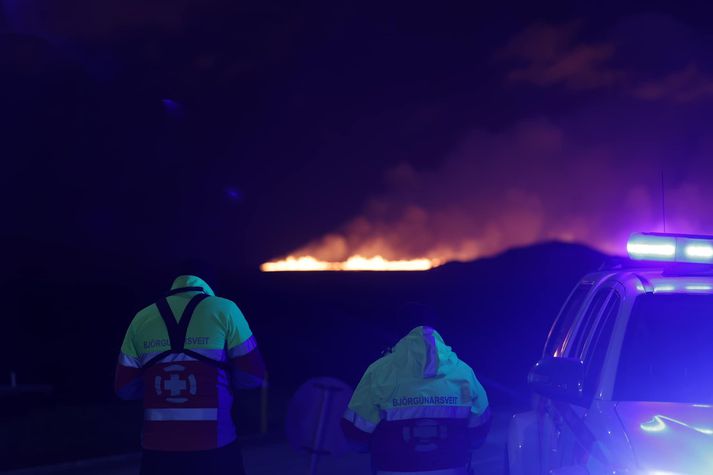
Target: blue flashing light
{"points": [[671, 248]]}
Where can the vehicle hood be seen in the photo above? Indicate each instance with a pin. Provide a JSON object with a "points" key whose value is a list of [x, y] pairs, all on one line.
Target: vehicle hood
{"points": [[669, 437]]}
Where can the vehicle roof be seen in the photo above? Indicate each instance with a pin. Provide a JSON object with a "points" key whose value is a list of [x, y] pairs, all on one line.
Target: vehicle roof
{"points": [[669, 279]]}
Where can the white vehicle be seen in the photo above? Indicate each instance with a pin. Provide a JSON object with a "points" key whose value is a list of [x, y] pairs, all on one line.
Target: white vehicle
{"points": [[625, 383]]}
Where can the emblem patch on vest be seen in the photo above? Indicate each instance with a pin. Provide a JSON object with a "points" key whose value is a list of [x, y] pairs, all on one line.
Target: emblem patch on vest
{"points": [[174, 386]]}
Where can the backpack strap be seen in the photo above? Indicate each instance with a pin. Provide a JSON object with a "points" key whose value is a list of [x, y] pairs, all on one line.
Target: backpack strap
{"points": [[180, 329], [177, 331]]}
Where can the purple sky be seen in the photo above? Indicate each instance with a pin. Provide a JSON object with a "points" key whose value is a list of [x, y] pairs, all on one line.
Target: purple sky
{"points": [[334, 129], [589, 174]]}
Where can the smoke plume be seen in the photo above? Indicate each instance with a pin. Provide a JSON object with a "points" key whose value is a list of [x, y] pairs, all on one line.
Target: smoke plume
{"points": [[537, 181]]}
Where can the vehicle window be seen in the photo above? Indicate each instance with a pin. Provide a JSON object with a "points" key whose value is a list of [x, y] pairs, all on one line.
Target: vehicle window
{"points": [[575, 348], [597, 347], [565, 319], [667, 354]]}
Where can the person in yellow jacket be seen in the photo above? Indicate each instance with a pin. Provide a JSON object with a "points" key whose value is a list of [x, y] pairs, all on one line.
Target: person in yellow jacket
{"points": [[418, 408], [186, 356]]}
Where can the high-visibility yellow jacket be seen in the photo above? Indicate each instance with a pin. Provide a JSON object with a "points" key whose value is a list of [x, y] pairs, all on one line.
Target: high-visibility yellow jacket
{"points": [[421, 379], [187, 385]]}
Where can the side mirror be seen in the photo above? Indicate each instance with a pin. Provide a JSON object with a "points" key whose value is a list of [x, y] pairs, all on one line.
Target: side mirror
{"points": [[561, 379]]}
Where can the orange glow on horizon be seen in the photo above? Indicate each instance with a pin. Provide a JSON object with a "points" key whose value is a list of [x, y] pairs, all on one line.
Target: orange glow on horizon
{"points": [[354, 263]]}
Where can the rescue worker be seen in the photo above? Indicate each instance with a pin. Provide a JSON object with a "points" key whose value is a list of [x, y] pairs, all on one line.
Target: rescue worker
{"points": [[418, 408], [185, 356]]}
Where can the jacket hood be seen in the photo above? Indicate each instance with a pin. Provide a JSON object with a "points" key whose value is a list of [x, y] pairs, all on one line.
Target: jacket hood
{"points": [[191, 281], [424, 353]]}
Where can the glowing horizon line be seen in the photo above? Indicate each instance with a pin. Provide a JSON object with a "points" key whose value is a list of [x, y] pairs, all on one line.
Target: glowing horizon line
{"points": [[353, 263]]}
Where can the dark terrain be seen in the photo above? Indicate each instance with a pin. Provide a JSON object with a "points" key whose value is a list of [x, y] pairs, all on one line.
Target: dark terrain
{"points": [[69, 309]]}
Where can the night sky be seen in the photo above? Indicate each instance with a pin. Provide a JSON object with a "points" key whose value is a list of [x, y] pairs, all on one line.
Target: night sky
{"points": [[238, 132]]}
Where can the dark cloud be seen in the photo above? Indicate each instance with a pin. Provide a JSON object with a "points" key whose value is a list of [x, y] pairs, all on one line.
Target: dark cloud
{"points": [[630, 61], [547, 55], [687, 85]]}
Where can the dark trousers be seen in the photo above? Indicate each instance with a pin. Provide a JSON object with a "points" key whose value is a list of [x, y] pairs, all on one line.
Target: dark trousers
{"points": [[226, 460]]}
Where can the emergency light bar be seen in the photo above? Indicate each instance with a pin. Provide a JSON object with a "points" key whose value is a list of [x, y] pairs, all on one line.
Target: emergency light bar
{"points": [[671, 248]]}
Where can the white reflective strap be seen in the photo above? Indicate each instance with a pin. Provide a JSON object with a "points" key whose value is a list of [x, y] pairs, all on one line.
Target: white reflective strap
{"points": [[430, 368], [218, 355], [181, 414], [428, 412], [447, 471], [129, 361], [359, 422], [243, 348], [171, 358]]}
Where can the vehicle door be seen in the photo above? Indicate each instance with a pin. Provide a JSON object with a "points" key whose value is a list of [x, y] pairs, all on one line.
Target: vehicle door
{"points": [[589, 345], [560, 418], [555, 346]]}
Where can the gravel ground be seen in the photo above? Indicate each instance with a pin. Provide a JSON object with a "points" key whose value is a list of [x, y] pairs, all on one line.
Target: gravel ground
{"points": [[280, 459]]}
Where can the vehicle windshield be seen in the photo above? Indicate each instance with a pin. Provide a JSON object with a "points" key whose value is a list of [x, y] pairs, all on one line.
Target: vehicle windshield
{"points": [[667, 354]]}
